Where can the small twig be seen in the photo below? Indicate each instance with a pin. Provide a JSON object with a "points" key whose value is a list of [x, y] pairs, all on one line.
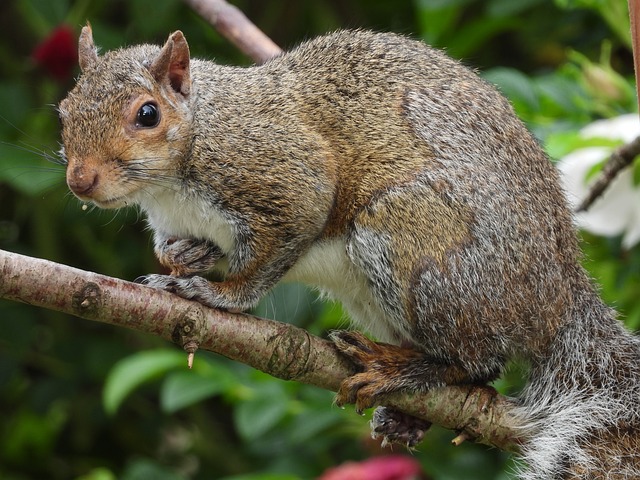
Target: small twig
{"points": [[618, 161], [190, 358], [237, 28], [460, 439]]}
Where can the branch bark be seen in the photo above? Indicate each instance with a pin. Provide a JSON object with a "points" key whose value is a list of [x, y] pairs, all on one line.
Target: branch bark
{"points": [[279, 349]]}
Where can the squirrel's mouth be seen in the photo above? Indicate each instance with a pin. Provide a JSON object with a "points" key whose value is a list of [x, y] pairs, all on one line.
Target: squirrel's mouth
{"points": [[115, 202]]}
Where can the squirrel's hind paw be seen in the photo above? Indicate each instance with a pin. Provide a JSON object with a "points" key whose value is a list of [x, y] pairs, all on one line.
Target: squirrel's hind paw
{"points": [[396, 427], [382, 369]]}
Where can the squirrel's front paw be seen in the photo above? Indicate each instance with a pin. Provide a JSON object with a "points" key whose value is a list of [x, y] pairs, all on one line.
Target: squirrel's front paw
{"points": [[191, 288], [163, 282], [187, 256], [382, 368]]}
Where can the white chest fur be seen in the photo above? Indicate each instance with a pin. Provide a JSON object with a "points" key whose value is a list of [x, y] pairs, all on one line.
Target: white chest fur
{"points": [[170, 215]]}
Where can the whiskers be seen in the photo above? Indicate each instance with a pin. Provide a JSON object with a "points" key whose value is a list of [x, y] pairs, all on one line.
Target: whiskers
{"points": [[19, 166], [51, 156], [143, 171], [148, 176], [149, 170], [26, 163]]}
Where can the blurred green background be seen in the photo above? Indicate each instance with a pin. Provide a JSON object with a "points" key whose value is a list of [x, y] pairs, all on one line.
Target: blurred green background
{"points": [[86, 401]]}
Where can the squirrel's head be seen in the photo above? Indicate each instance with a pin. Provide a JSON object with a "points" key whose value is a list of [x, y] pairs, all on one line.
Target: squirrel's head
{"points": [[125, 125]]}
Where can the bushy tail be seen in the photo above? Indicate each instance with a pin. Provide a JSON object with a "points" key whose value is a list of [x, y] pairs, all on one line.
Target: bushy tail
{"points": [[581, 409]]}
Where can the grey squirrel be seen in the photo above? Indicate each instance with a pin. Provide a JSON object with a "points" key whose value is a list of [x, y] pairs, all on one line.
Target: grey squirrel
{"points": [[394, 179]]}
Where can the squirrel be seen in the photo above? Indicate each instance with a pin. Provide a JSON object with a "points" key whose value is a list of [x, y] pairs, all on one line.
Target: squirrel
{"points": [[394, 179]]}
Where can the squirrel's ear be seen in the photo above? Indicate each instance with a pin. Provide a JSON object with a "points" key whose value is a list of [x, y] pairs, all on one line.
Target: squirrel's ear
{"points": [[172, 64], [87, 51]]}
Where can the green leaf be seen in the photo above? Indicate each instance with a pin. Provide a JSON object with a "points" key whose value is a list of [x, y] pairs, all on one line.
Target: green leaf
{"points": [[182, 389], [470, 37], [256, 416], [636, 172], [131, 372], [99, 473], [145, 469], [504, 8], [560, 95], [560, 144], [307, 425], [434, 5], [594, 170], [515, 85]]}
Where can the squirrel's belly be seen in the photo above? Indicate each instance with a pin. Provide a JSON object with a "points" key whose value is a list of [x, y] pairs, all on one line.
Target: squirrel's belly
{"points": [[327, 267]]}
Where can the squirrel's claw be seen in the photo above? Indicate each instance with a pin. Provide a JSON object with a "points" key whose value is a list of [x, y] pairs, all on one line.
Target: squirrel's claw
{"points": [[191, 288], [380, 364]]}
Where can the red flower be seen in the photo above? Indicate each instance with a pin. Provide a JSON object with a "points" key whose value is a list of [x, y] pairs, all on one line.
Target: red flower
{"points": [[58, 53], [391, 467]]}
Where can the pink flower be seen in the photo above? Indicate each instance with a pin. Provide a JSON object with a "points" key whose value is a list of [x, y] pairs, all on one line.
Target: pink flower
{"points": [[58, 53], [391, 467]]}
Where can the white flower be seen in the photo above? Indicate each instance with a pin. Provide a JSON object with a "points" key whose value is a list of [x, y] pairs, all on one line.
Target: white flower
{"points": [[617, 211]]}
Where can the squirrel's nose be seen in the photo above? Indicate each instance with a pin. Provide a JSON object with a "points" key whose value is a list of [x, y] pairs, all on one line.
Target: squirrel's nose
{"points": [[82, 182]]}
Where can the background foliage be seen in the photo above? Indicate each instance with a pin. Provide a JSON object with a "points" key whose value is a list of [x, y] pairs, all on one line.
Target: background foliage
{"points": [[88, 401]]}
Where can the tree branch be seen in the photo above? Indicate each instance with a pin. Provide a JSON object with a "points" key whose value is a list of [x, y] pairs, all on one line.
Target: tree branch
{"points": [[279, 349], [236, 28], [620, 159]]}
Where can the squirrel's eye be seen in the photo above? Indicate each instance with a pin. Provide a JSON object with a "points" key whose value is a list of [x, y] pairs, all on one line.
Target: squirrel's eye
{"points": [[148, 115]]}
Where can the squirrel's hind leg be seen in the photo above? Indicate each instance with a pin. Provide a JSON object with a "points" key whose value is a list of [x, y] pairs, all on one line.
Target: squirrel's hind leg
{"points": [[386, 368]]}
